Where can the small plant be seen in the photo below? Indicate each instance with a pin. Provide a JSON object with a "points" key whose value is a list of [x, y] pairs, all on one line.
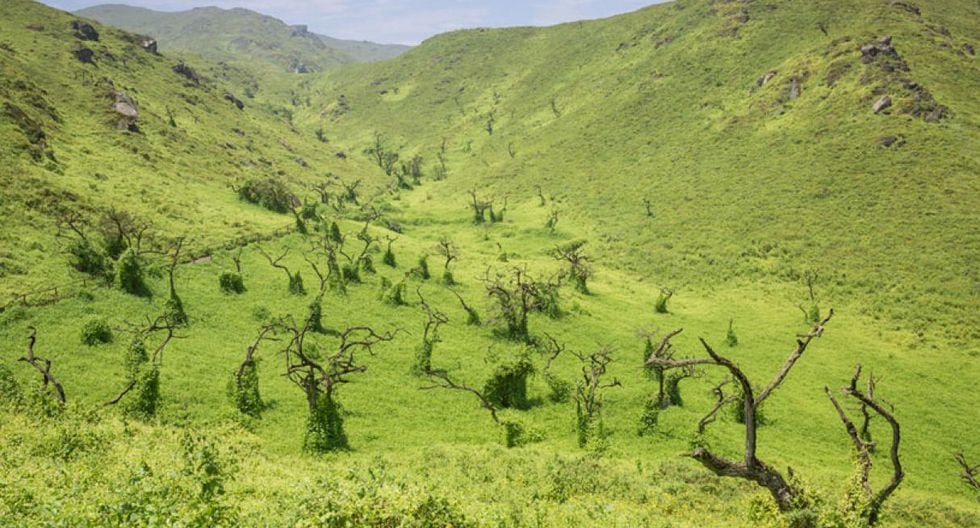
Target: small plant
{"points": [[650, 417], [662, 299], [731, 339], [96, 331], [231, 282]]}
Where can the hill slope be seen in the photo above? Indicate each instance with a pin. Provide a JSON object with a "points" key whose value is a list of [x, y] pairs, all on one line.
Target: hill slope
{"points": [[241, 36], [749, 127]]}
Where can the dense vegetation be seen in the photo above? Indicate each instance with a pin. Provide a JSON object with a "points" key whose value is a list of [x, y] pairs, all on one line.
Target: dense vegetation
{"points": [[503, 280]]}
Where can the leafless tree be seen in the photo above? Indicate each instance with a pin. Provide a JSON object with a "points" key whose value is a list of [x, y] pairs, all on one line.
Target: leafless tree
{"points": [[871, 510], [430, 334], [43, 366], [971, 473], [295, 280], [578, 263], [441, 380], [787, 495]]}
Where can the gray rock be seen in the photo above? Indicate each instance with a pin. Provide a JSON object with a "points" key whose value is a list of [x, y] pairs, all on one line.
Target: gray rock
{"points": [[762, 81], [84, 31], [149, 44], [84, 55], [882, 104], [127, 109], [795, 88]]}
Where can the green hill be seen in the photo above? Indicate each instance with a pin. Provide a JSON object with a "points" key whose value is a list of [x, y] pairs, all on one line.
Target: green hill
{"points": [[241, 36], [700, 191]]}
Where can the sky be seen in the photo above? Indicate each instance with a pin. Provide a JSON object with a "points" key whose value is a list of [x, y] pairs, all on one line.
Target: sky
{"points": [[398, 21]]}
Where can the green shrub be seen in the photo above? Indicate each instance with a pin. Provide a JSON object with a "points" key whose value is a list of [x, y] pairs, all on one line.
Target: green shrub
{"points": [[130, 276], [518, 434], [661, 304], [175, 310], [271, 193], [11, 395], [559, 390], [144, 398], [231, 282], [86, 258], [394, 294], [507, 388], [731, 339], [422, 270], [389, 258], [296, 284], [244, 390], [423, 358], [448, 279], [96, 331], [315, 320], [650, 416]]}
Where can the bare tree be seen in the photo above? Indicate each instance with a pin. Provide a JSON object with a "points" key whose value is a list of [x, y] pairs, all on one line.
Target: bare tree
{"points": [[472, 316], [971, 473], [578, 265], [787, 495], [295, 280], [663, 352], [479, 208], [143, 367], [871, 509], [43, 366], [441, 380]]}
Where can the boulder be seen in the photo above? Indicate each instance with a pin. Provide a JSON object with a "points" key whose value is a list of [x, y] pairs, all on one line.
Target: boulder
{"points": [[84, 31], [230, 97], [795, 88], [762, 81], [882, 104], [150, 45], [84, 55], [127, 109], [889, 141]]}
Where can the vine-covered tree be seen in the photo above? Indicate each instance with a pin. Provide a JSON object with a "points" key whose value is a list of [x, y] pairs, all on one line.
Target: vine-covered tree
{"points": [[588, 397], [143, 368], [448, 251], [244, 389], [578, 265], [295, 279], [430, 335]]}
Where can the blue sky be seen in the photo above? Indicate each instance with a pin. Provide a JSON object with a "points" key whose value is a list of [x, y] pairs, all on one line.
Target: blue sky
{"points": [[398, 21]]}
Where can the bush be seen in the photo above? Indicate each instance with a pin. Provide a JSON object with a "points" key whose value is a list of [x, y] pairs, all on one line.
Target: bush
{"points": [[422, 270], [144, 397], [86, 258], [10, 392], [423, 359], [244, 390], [296, 284], [175, 310], [130, 277], [517, 434], [270, 193], [231, 282], [661, 305], [393, 294], [507, 388], [650, 417], [96, 331], [731, 339], [559, 390]]}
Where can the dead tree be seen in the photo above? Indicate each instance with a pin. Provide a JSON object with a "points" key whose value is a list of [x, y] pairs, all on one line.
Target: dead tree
{"points": [[245, 389], [514, 301], [430, 335], [43, 366], [541, 199], [295, 280], [588, 395], [441, 380], [873, 501], [552, 222], [578, 265], [237, 258], [123, 231], [971, 473], [472, 316], [479, 208], [319, 377], [663, 352], [447, 250], [788, 496], [560, 389], [648, 207], [350, 191]]}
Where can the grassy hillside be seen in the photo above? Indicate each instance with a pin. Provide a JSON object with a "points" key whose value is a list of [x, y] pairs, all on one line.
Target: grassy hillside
{"points": [[750, 192], [64, 151], [241, 36], [747, 183]]}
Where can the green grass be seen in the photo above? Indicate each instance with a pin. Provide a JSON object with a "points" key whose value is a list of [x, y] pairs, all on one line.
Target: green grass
{"points": [[740, 213]]}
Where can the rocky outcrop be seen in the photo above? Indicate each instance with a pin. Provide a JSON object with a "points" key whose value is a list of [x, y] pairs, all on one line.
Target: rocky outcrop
{"points": [[187, 72], [84, 55], [762, 81], [149, 44], [906, 6], [127, 111], [795, 88], [84, 31], [230, 97], [882, 104]]}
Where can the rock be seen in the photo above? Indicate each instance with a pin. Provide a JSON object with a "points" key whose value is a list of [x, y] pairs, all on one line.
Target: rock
{"points": [[234, 100], [341, 155], [936, 114], [84, 55], [882, 46], [968, 48], [150, 45], [302, 162], [889, 141], [911, 8], [84, 31], [762, 81], [187, 72], [128, 111], [882, 104], [795, 88]]}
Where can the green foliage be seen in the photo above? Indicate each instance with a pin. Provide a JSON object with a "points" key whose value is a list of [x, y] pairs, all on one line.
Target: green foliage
{"points": [[423, 358], [231, 282], [518, 433], [143, 399], [559, 390], [393, 294], [422, 270], [87, 258], [650, 417], [131, 277], [271, 193], [315, 319], [11, 395], [96, 331], [447, 278], [325, 426], [296, 284], [335, 235], [507, 387], [175, 310], [243, 389], [389, 258], [661, 305]]}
